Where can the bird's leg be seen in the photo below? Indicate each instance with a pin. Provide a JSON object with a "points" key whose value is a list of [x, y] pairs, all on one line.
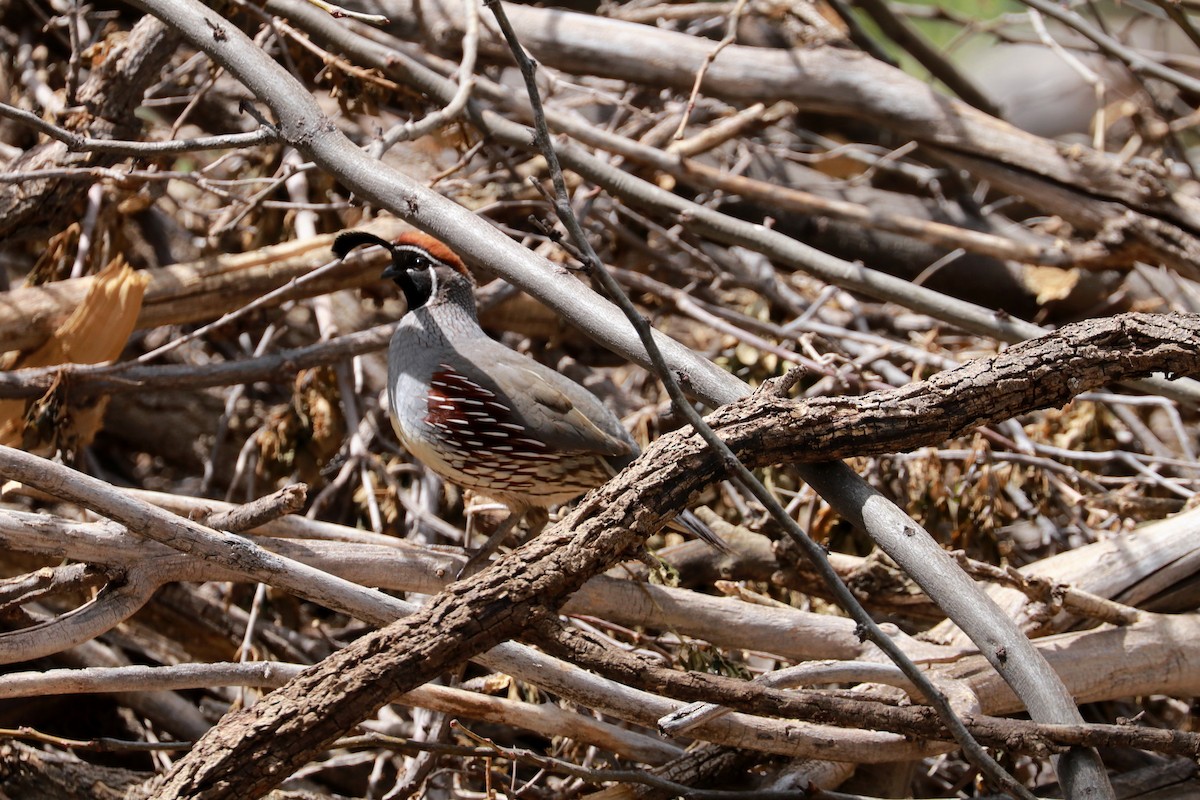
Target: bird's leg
{"points": [[492, 544]]}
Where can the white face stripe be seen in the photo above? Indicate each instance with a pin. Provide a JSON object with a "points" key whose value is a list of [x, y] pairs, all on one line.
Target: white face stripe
{"points": [[433, 282]]}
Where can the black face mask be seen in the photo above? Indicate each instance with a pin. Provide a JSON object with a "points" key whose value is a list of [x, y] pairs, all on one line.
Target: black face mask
{"points": [[411, 267]]}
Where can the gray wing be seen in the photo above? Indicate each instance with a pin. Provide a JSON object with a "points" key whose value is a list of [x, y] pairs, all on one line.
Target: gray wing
{"points": [[562, 414]]}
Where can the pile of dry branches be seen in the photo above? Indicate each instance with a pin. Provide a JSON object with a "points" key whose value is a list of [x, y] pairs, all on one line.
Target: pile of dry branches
{"points": [[956, 354]]}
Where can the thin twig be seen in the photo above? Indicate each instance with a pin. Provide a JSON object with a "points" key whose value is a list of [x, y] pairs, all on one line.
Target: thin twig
{"points": [[334, 10], [730, 36], [410, 131], [845, 598], [126, 148]]}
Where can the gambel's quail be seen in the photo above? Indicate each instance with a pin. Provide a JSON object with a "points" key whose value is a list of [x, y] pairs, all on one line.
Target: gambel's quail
{"points": [[479, 414]]}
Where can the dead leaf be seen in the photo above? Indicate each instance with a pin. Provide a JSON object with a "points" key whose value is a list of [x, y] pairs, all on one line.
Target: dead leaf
{"points": [[95, 332], [1050, 283]]}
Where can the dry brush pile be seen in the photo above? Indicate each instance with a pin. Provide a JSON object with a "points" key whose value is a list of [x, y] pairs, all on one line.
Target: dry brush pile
{"points": [[958, 354]]}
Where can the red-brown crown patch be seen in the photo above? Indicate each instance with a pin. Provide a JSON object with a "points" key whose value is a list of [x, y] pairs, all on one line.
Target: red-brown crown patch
{"points": [[435, 248]]}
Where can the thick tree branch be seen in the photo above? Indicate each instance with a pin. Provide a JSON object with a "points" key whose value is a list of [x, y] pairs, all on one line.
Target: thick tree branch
{"points": [[296, 722], [1039, 373]]}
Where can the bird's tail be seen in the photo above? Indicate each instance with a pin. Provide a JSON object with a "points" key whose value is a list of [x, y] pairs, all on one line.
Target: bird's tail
{"points": [[695, 526]]}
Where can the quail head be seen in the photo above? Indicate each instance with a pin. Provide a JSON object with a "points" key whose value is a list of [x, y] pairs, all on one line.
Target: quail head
{"points": [[478, 413]]}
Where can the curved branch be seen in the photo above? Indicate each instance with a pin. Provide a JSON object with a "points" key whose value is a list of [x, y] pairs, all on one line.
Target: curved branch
{"points": [[120, 600]]}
